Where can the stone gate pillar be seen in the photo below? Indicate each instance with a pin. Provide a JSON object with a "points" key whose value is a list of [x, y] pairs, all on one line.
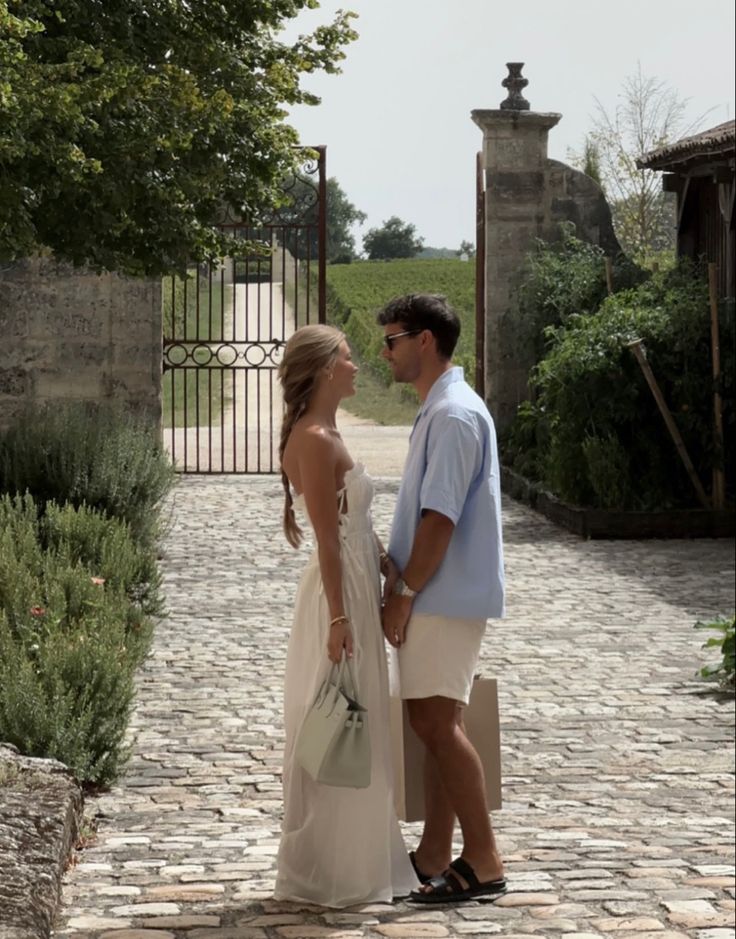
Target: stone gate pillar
{"points": [[527, 196]]}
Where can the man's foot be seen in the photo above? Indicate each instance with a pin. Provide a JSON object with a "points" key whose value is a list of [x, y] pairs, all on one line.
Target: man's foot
{"points": [[458, 883], [421, 876], [426, 867]]}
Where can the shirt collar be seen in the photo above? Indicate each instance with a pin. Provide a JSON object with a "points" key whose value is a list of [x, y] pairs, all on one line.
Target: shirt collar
{"points": [[448, 378]]}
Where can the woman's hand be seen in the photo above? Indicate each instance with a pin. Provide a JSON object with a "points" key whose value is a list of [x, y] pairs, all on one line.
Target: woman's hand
{"points": [[391, 573], [339, 638]]}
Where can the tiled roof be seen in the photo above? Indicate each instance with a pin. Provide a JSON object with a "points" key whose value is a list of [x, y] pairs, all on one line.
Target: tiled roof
{"points": [[717, 141]]}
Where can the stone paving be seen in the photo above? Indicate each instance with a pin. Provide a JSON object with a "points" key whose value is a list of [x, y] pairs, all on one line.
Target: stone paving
{"points": [[618, 763]]}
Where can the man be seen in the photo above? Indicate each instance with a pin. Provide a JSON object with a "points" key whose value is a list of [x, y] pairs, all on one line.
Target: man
{"points": [[447, 581]]}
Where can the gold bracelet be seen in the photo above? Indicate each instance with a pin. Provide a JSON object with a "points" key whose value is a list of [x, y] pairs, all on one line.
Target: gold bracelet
{"points": [[338, 619]]}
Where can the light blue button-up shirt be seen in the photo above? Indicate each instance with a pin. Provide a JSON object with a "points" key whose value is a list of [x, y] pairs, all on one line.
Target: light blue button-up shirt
{"points": [[452, 467]]}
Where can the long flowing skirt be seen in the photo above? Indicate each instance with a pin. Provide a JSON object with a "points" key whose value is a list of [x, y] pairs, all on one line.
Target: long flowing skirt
{"points": [[340, 847]]}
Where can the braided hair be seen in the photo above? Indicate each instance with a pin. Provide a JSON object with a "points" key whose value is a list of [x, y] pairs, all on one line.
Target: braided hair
{"points": [[307, 352]]}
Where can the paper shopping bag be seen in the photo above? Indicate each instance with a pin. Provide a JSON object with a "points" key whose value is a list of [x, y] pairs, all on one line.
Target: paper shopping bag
{"points": [[481, 723]]}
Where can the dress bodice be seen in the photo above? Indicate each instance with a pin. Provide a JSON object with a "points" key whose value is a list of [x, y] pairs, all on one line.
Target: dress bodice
{"points": [[353, 500]]}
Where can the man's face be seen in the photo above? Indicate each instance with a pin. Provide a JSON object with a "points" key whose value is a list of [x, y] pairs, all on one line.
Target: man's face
{"points": [[401, 351]]}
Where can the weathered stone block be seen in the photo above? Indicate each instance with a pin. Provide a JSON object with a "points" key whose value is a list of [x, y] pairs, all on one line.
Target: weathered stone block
{"points": [[68, 385], [40, 814], [74, 355], [507, 185], [13, 381], [65, 327], [70, 316], [13, 321]]}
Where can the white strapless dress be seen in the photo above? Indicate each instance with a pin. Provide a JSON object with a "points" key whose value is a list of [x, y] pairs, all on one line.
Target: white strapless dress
{"points": [[341, 847]]}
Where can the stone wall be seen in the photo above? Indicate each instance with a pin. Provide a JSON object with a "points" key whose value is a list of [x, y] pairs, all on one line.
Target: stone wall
{"points": [[527, 196], [70, 334], [41, 809]]}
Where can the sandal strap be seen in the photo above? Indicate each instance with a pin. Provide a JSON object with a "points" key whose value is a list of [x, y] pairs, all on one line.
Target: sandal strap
{"points": [[445, 883], [466, 872]]}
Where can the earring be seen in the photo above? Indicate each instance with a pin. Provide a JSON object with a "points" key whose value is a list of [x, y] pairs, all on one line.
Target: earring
{"points": [[330, 376]]}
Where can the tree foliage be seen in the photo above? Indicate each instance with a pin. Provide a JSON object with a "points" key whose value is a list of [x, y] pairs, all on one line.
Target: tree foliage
{"points": [[649, 115], [127, 128], [303, 211], [593, 433], [395, 239], [589, 160], [564, 280]]}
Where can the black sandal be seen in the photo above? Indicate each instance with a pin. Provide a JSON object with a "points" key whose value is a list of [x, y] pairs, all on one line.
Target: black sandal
{"points": [[421, 876], [448, 888]]}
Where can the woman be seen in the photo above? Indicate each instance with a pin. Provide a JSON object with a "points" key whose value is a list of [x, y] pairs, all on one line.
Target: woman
{"points": [[339, 847]]}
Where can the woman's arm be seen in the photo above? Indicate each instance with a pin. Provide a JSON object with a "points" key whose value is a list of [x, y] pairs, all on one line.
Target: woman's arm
{"points": [[317, 463], [431, 541]]}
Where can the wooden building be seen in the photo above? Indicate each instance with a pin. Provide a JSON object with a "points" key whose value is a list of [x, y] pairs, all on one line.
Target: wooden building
{"points": [[702, 171]]}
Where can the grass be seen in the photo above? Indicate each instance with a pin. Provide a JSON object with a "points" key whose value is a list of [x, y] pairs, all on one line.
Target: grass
{"points": [[396, 405]]}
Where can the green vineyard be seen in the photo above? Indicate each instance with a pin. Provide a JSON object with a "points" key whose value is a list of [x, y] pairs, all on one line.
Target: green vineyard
{"points": [[355, 292]]}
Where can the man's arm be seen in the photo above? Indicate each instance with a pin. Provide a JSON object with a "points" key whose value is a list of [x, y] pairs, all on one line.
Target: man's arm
{"points": [[454, 459], [431, 541]]}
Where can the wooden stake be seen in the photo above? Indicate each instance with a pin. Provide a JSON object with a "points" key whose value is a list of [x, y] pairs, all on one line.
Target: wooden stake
{"points": [[639, 352], [609, 275], [719, 481]]}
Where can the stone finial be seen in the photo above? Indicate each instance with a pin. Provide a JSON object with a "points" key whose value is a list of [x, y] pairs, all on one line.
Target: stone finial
{"points": [[515, 81]]}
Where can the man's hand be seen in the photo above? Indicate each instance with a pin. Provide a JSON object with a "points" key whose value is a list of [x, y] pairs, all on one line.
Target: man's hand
{"points": [[395, 617]]}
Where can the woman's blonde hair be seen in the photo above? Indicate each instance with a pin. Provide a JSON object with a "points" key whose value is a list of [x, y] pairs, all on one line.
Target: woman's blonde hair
{"points": [[308, 351]]}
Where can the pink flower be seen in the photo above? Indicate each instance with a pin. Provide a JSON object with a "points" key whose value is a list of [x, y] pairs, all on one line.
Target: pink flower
{"points": [[99, 581], [38, 611]]}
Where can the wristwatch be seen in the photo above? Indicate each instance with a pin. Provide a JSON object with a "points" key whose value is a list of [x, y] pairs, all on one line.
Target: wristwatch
{"points": [[403, 590]]}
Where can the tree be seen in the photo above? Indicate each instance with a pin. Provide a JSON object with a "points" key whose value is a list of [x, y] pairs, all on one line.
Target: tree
{"points": [[127, 128], [396, 239], [341, 216], [302, 209], [466, 248], [589, 161], [649, 115]]}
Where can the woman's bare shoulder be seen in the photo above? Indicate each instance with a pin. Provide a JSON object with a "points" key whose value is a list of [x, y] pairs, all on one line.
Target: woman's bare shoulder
{"points": [[310, 443]]}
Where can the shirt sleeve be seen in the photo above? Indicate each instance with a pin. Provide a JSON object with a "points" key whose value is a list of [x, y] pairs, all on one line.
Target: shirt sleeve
{"points": [[454, 459]]}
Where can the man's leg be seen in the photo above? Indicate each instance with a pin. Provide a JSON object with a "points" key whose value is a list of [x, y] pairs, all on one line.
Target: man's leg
{"points": [[434, 852], [438, 724]]}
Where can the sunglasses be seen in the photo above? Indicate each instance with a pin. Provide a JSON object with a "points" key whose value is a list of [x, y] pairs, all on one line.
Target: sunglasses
{"points": [[390, 340]]}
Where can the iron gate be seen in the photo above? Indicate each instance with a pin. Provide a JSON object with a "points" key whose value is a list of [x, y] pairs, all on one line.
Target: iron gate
{"points": [[225, 325]]}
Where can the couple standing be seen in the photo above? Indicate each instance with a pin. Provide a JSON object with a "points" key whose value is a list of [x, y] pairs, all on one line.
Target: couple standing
{"points": [[443, 579]]}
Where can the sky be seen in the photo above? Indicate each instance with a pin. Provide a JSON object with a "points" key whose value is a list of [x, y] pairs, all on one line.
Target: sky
{"points": [[396, 122]]}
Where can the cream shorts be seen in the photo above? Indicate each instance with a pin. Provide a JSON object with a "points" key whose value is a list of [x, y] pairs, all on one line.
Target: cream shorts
{"points": [[439, 657]]}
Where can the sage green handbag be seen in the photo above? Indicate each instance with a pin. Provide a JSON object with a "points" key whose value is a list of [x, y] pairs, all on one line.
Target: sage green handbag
{"points": [[333, 744]]}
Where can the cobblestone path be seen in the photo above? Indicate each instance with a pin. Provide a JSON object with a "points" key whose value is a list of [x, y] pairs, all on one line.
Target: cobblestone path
{"points": [[618, 763]]}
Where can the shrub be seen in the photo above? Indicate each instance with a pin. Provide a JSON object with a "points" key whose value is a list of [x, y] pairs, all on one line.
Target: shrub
{"points": [[101, 456], [724, 671], [70, 636], [599, 437], [106, 548], [65, 695], [564, 279]]}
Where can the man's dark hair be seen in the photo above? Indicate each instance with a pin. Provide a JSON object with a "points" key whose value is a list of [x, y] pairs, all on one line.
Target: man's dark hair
{"points": [[417, 311]]}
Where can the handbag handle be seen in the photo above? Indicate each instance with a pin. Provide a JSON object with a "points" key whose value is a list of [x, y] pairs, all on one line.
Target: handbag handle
{"points": [[336, 678], [351, 675]]}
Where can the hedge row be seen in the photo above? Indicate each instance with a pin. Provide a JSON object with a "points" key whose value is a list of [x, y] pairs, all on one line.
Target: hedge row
{"points": [[79, 582]]}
